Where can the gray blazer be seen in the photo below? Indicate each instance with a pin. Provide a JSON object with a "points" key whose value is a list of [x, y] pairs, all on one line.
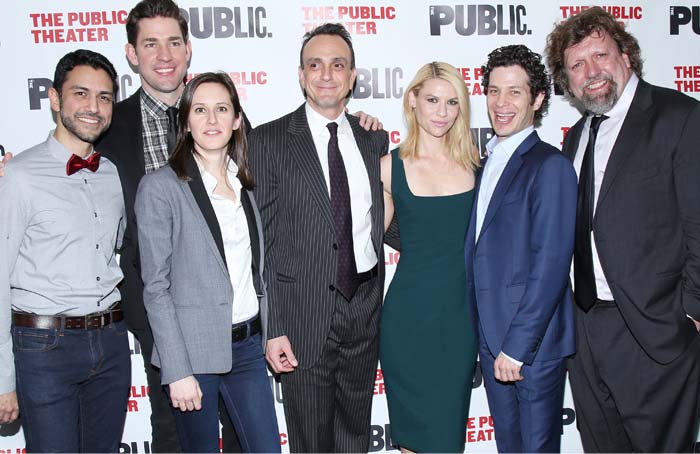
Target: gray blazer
{"points": [[187, 289]]}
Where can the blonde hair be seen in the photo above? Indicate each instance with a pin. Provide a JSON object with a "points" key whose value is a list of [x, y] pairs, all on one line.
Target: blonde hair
{"points": [[459, 138]]}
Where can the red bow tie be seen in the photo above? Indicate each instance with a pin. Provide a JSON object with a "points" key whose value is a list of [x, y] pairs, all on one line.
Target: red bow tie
{"points": [[76, 163]]}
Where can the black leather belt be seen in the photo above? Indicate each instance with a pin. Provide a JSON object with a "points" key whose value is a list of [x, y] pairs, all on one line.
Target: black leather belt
{"points": [[90, 321], [243, 330], [367, 275]]}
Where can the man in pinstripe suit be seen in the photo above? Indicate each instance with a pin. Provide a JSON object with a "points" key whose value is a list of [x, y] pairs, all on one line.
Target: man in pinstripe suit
{"points": [[319, 191]]}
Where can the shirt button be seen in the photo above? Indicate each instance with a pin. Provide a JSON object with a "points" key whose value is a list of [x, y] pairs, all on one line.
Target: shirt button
{"points": [[98, 278], [331, 288], [95, 213], [97, 246], [335, 246]]}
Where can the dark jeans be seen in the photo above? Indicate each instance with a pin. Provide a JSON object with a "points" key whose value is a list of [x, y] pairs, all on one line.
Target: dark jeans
{"points": [[164, 438], [72, 387], [248, 397]]}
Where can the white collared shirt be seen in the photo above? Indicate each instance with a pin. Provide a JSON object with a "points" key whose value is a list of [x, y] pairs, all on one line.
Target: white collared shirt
{"points": [[236, 238], [500, 152], [358, 182], [605, 140]]}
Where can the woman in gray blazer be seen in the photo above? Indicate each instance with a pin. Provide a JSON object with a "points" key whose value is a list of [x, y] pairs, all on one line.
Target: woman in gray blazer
{"points": [[202, 262]]}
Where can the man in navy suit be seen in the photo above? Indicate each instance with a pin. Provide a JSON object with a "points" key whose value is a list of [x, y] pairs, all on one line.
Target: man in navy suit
{"points": [[518, 252]]}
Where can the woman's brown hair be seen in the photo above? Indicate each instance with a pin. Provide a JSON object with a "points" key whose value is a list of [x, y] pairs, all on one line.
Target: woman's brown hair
{"points": [[237, 146]]}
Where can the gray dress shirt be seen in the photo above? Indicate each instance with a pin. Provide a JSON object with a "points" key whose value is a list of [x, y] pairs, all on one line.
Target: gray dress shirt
{"points": [[58, 237]]}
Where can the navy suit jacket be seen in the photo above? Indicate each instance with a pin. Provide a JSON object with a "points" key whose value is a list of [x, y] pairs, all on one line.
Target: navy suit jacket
{"points": [[518, 270]]}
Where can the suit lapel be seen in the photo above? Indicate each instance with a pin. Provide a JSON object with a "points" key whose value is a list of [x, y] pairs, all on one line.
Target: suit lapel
{"points": [[203, 204], [506, 179], [254, 239], [471, 230], [134, 111], [573, 137], [303, 150], [637, 120]]}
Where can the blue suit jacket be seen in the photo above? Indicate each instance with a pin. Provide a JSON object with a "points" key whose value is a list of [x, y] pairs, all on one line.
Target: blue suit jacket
{"points": [[518, 271]]}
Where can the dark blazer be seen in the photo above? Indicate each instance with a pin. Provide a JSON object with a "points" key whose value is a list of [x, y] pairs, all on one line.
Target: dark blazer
{"points": [[646, 226], [188, 290], [298, 227], [518, 270], [123, 145]]}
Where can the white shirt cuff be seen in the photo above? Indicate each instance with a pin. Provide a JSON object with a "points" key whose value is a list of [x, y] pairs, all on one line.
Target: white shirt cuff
{"points": [[512, 360]]}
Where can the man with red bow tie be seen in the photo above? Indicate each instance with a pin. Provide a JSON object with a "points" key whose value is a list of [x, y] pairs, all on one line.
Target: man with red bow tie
{"points": [[63, 345]]}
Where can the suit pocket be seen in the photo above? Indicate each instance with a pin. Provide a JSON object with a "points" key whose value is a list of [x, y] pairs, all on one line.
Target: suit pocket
{"points": [[285, 278], [670, 273], [514, 197], [644, 174]]}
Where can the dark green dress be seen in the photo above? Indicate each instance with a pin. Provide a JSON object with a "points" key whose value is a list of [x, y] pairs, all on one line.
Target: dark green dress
{"points": [[427, 347]]}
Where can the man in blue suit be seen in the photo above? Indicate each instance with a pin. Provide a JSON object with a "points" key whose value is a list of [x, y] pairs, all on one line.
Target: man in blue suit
{"points": [[518, 254]]}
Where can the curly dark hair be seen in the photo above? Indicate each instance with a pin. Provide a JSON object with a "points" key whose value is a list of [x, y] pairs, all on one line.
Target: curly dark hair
{"points": [[591, 21], [531, 62]]}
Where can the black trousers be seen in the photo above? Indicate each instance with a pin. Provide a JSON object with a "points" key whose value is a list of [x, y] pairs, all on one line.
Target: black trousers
{"points": [[328, 407], [625, 401]]}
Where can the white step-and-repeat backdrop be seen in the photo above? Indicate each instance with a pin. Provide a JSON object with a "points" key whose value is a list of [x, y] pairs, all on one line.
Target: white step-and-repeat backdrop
{"points": [[257, 42]]}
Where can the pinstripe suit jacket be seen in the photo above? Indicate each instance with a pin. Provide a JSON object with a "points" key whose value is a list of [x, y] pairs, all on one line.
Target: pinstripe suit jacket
{"points": [[187, 288], [299, 231]]}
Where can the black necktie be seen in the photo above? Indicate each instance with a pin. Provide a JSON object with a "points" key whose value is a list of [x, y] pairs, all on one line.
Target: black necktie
{"points": [[346, 274], [171, 112], [585, 292]]}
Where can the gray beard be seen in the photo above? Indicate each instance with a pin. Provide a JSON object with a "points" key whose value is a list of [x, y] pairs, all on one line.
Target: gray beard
{"points": [[601, 104]]}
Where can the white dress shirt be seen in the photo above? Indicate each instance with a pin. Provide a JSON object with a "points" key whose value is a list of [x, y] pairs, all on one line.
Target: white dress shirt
{"points": [[605, 140], [236, 238], [358, 182], [500, 152]]}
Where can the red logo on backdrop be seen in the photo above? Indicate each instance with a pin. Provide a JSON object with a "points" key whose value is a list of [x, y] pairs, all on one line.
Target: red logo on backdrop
{"points": [[687, 78], [392, 258], [564, 132], [13, 451], [480, 429], [395, 137], [74, 26], [472, 79], [621, 13], [359, 20], [379, 387], [139, 392], [242, 80]]}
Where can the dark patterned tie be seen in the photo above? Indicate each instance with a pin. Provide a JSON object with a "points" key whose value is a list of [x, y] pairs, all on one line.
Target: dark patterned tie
{"points": [[346, 277], [585, 292], [171, 112]]}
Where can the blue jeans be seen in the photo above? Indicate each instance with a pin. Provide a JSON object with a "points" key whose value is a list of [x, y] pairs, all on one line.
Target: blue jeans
{"points": [[72, 387], [248, 397]]}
